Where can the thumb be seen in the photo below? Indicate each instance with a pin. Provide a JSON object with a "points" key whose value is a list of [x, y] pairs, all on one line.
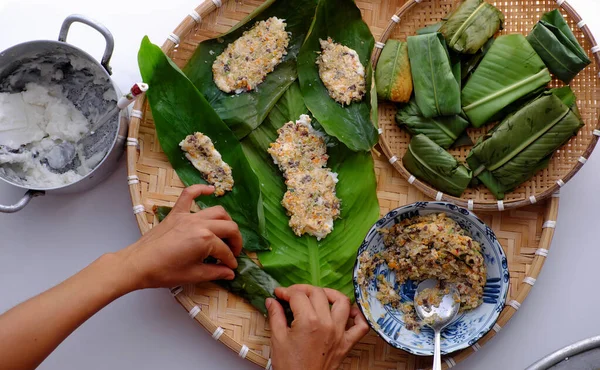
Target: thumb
{"points": [[277, 319]]}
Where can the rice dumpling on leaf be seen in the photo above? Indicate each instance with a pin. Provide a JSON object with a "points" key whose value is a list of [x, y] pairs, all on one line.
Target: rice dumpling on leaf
{"points": [[429, 162], [179, 110], [444, 131], [556, 44], [471, 25], [437, 91], [523, 142], [510, 70], [349, 120], [244, 72], [392, 76]]}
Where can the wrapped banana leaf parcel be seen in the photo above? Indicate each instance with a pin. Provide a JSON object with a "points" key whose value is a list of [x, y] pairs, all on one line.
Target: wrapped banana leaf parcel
{"points": [[392, 75], [471, 25], [523, 143], [429, 162], [509, 71], [444, 131], [437, 91], [555, 43]]}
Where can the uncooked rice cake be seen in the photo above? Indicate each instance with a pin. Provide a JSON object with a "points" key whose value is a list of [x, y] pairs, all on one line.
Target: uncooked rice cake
{"points": [[310, 199], [341, 72], [199, 149], [246, 62]]}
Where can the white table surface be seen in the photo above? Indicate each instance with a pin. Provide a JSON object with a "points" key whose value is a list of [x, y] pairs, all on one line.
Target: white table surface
{"points": [[55, 236]]}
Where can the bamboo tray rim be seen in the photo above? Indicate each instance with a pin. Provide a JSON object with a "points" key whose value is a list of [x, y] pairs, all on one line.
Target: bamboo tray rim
{"points": [[183, 29]]}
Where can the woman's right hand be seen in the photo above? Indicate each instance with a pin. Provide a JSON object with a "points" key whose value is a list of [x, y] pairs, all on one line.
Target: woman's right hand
{"points": [[172, 253], [319, 337]]}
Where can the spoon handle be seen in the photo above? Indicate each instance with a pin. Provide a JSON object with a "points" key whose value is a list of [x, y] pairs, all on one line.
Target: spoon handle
{"points": [[437, 357]]}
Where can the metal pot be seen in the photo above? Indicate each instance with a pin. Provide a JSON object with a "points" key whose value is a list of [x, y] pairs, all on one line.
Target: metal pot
{"points": [[87, 84]]}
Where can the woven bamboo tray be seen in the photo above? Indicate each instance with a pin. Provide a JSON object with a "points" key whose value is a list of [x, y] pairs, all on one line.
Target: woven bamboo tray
{"points": [[525, 234]]}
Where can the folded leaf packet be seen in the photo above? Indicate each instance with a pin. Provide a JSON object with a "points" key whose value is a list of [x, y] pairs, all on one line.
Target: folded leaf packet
{"points": [[392, 76], [444, 131], [471, 25], [555, 43], [437, 92], [523, 143], [429, 162], [510, 70]]}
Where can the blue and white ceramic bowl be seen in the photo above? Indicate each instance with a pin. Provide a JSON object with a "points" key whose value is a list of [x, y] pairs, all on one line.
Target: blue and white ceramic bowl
{"points": [[469, 326]]}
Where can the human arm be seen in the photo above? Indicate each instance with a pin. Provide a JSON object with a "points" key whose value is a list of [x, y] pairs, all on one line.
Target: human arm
{"points": [[320, 336], [170, 254]]}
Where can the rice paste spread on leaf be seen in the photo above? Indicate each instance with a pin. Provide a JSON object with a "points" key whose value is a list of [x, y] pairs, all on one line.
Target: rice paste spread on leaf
{"points": [[246, 62], [341, 72], [199, 149], [311, 202]]}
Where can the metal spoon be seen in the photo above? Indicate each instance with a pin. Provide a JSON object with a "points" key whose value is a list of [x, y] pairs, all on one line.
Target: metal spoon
{"points": [[437, 317]]}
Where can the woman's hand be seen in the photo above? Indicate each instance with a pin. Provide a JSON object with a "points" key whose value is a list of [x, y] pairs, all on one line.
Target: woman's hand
{"points": [[172, 252], [320, 336]]}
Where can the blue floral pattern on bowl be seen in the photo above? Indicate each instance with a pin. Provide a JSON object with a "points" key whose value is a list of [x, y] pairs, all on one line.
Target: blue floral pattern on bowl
{"points": [[469, 326]]}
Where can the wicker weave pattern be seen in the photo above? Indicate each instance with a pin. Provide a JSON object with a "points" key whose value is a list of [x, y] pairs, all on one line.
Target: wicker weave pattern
{"points": [[231, 320]]}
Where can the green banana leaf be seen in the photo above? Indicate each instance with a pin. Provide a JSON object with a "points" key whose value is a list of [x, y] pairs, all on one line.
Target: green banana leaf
{"points": [[523, 142], [510, 70], [246, 111], [179, 110], [429, 162], [392, 75], [470, 61], [471, 25], [434, 28], [555, 43], [294, 259], [437, 90], [443, 131], [342, 21], [250, 282]]}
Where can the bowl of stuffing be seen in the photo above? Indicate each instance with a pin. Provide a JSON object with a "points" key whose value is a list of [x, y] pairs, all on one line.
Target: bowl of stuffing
{"points": [[430, 240]]}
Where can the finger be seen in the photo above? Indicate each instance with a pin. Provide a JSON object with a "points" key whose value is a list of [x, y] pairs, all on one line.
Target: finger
{"points": [[214, 213], [277, 319], [210, 272], [317, 297], [222, 252], [359, 329], [184, 203], [228, 231], [300, 304], [340, 305]]}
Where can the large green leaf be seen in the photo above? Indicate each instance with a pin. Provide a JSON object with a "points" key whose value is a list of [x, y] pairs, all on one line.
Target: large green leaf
{"points": [[179, 110], [554, 41], [443, 131], [246, 111], [510, 70], [429, 162], [471, 25], [392, 76], [437, 91], [294, 259], [523, 142], [342, 21]]}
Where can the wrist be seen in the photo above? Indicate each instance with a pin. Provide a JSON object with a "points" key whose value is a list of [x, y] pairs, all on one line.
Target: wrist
{"points": [[116, 274]]}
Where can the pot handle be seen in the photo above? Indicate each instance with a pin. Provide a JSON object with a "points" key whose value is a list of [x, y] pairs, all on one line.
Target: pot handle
{"points": [[110, 42], [23, 202]]}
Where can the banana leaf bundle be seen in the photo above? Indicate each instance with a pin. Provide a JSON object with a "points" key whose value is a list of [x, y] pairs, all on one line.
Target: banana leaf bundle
{"points": [[437, 91], [470, 26], [392, 75], [246, 111], [429, 162], [250, 282], [523, 143], [555, 43], [179, 110], [444, 131], [353, 124], [510, 70]]}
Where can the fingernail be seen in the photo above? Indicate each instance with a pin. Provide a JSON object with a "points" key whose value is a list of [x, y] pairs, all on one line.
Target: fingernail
{"points": [[231, 276], [268, 302]]}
